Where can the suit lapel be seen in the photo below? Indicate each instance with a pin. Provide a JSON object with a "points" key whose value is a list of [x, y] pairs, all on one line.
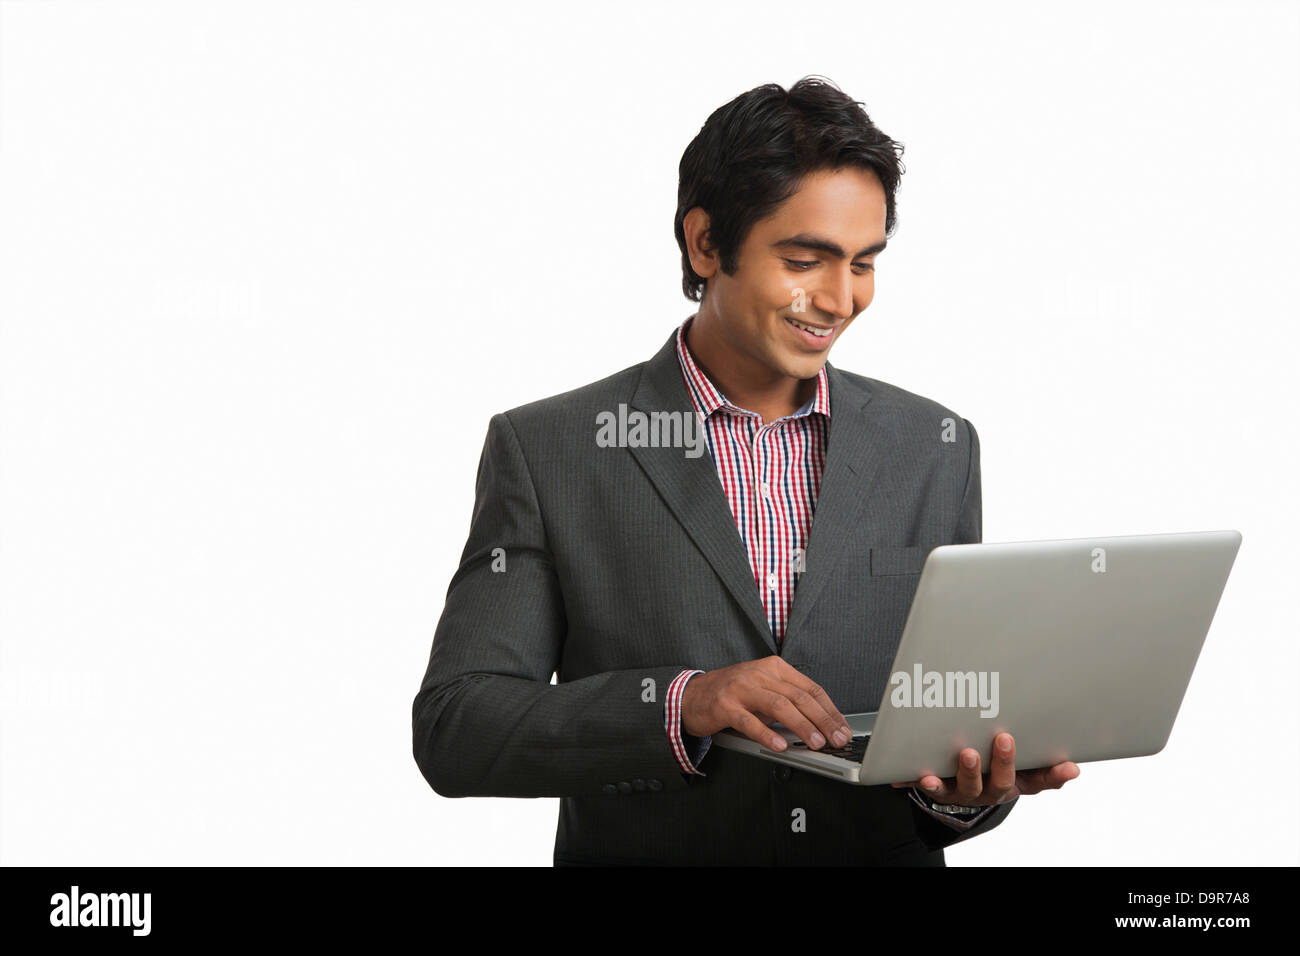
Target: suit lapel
{"points": [[691, 489], [857, 443]]}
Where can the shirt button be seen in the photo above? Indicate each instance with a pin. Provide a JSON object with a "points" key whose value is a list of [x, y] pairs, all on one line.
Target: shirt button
{"points": [[771, 582], [655, 784], [767, 490]]}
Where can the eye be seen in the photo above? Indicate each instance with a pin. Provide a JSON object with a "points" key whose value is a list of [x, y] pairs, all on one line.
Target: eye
{"points": [[866, 267], [801, 264]]}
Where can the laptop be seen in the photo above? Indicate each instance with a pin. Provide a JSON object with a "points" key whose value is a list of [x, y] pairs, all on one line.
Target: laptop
{"points": [[1081, 649]]}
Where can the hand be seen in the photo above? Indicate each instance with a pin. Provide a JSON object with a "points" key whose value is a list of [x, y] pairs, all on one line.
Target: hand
{"points": [[1003, 782], [745, 695]]}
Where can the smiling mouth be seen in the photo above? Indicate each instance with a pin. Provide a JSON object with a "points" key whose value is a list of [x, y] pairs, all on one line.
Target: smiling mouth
{"points": [[816, 330]]}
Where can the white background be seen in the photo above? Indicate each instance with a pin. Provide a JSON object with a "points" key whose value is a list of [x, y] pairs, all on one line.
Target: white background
{"points": [[267, 269]]}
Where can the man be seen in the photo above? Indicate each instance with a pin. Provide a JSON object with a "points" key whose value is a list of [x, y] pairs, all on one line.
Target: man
{"points": [[675, 593]]}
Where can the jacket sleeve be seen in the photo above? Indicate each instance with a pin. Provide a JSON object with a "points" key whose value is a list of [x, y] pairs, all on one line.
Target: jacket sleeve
{"points": [[934, 831], [486, 720]]}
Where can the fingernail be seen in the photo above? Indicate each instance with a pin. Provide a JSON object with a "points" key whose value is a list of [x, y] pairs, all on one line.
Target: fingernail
{"points": [[969, 761], [817, 740], [839, 738], [778, 743], [1004, 744], [844, 729], [932, 788]]}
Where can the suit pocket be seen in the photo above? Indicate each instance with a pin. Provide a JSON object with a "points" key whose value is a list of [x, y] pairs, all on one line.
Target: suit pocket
{"points": [[898, 560]]}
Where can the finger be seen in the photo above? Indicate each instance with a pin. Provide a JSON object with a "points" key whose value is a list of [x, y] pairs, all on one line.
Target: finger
{"points": [[1047, 778], [743, 722], [787, 673], [969, 782], [1002, 767], [938, 789], [1061, 774], [772, 700], [831, 727], [805, 683], [1029, 782]]}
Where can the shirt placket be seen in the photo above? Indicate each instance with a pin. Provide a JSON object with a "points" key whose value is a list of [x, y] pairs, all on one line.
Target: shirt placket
{"points": [[768, 468]]}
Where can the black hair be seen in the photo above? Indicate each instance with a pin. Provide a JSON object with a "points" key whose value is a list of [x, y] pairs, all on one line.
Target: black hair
{"points": [[751, 155]]}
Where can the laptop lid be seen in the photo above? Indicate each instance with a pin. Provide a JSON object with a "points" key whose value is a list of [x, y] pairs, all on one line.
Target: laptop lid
{"points": [[1082, 649]]}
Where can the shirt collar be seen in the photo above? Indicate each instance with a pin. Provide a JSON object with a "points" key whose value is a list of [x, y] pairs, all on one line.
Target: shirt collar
{"points": [[707, 399]]}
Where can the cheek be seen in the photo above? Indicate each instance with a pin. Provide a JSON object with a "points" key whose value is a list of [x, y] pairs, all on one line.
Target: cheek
{"points": [[867, 292], [795, 295], [775, 288]]}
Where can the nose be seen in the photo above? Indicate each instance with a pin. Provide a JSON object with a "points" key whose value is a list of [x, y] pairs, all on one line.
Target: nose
{"points": [[835, 296]]}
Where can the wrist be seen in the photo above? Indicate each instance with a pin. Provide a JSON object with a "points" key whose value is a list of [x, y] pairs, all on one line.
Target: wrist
{"points": [[687, 713]]}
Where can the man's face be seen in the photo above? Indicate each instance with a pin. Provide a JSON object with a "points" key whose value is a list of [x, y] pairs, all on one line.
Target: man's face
{"points": [[823, 241]]}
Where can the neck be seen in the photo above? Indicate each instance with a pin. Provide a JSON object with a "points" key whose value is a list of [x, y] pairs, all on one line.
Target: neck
{"points": [[746, 382]]}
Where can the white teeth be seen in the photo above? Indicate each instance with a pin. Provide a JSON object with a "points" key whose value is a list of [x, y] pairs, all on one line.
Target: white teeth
{"points": [[820, 333]]}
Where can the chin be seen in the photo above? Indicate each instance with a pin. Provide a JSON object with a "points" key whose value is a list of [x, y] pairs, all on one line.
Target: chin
{"points": [[805, 366]]}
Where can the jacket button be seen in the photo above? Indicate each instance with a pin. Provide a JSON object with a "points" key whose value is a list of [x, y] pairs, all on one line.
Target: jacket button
{"points": [[624, 787], [656, 785], [638, 784], [609, 788]]}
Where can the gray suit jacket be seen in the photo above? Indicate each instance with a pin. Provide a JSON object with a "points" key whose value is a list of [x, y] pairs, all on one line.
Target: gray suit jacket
{"points": [[625, 564]]}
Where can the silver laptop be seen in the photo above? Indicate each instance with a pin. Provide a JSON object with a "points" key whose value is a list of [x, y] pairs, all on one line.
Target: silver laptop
{"points": [[1081, 649]]}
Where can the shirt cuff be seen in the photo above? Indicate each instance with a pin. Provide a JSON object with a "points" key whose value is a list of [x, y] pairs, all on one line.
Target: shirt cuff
{"points": [[690, 752], [952, 820]]}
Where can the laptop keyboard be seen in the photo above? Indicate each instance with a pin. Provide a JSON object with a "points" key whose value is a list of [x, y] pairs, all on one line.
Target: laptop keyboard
{"points": [[855, 750]]}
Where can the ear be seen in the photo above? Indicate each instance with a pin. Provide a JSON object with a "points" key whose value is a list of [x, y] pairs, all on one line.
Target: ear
{"points": [[700, 250]]}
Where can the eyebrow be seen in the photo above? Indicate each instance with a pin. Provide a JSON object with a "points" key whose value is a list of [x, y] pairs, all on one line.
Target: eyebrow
{"points": [[816, 243]]}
